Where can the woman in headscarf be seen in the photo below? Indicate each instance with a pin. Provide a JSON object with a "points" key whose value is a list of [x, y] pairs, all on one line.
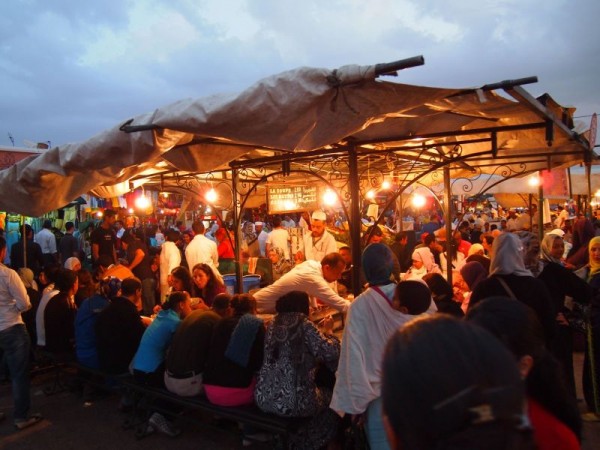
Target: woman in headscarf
{"points": [[471, 274], [280, 265], [477, 253], [423, 262], [372, 319], [73, 264], [591, 364], [561, 282], [443, 295], [286, 385], [509, 277], [583, 232]]}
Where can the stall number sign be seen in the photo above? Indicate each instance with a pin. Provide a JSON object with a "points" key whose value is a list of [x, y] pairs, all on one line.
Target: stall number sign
{"points": [[286, 198]]}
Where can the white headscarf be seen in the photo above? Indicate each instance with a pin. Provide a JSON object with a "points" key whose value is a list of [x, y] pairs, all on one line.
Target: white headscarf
{"points": [[546, 247], [507, 256], [72, 262], [424, 255]]}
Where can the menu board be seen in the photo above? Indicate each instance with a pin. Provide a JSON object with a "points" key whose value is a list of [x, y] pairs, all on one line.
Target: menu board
{"points": [[289, 198]]}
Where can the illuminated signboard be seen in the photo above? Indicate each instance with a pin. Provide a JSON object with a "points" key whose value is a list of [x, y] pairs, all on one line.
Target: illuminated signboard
{"points": [[288, 198]]}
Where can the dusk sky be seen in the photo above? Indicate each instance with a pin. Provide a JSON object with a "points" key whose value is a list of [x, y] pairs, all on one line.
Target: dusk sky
{"points": [[70, 69]]}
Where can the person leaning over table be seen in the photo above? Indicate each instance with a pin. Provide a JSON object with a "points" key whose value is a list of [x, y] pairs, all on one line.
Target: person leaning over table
{"points": [[312, 277]]}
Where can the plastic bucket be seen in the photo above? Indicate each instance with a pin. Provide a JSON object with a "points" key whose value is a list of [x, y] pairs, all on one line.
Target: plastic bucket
{"points": [[230, 282], [250, 282]]}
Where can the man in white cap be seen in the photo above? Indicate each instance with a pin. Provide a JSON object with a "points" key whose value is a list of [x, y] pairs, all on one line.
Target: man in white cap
{"points": [[319, 242], [262, 236]]}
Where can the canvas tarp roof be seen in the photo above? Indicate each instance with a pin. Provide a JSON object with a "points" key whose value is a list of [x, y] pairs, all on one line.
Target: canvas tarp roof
{"points": [[298, 111]]}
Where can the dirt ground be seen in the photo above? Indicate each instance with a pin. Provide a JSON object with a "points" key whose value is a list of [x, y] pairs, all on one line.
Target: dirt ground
{"points": [[68, 424]]}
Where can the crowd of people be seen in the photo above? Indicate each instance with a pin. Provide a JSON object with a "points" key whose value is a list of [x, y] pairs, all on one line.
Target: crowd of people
{"points": [[484, 362]]}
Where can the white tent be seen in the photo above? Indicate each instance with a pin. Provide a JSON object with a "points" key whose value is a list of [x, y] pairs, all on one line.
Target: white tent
{"points": [[316, 113]]}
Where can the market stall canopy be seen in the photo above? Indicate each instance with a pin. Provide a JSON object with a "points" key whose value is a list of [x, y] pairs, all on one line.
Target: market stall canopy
{"points": [[302, 111]]}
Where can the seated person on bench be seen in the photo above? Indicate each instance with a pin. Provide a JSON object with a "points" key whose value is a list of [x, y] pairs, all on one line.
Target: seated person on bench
{"points": [[235, 355], [189, 349]]}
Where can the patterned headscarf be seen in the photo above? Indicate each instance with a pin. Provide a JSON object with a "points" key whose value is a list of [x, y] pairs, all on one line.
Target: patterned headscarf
{"points": [[248, 232], [281, 261], [594, 266], [110, 287]]}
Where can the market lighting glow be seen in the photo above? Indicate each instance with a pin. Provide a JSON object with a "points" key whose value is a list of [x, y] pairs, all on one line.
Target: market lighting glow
{"points": [[534, 181], [288, 204], [130, 210], [211, 196], [142, 202], [386, 184], [99, 213], [329, 197], [418, 201], [370, 195]]}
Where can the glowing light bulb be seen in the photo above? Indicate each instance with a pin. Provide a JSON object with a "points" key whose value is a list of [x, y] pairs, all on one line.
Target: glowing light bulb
{"points": [[142, 202], [418, 201], [370, 195], [386, 185], [329, 197], [534, 181], [211, 196]]}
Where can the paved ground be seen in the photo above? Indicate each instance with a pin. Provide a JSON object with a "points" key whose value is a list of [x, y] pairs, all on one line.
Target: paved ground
{"points": [[68, 424]]}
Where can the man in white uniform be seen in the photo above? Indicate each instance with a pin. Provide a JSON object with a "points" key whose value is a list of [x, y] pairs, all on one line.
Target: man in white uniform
{"points": [[312, 277], [319, 242]]}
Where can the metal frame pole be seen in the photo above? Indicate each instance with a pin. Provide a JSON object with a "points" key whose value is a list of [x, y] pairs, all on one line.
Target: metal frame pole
{"points": [[448, 214], [355, 222], [236, 226]]}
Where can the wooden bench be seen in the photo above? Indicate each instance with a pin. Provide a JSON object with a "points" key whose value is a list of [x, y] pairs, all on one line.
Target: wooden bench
{"points": [[145, 400]]}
